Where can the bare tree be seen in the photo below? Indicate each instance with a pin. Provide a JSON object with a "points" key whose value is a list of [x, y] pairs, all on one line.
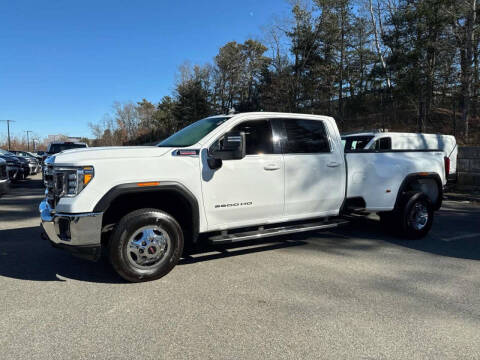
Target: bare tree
{"points": [[471, 17], [376, 30]]}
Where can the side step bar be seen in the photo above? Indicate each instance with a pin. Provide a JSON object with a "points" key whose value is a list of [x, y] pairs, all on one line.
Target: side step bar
{"points": [[226, 238]]}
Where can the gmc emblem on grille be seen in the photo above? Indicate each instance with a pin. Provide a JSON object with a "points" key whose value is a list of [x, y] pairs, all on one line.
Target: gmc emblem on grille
{"points": [[234, 205]]}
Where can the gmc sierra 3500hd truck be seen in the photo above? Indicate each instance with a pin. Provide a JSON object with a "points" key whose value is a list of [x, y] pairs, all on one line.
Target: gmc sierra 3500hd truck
{"points": [[229, 178]]}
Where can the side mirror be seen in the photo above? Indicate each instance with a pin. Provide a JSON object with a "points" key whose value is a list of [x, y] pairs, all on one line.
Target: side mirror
{"points": [[230, 147]]}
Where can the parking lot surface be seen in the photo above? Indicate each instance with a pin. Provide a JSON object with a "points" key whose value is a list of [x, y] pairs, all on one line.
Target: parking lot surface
{"points": [[353, 293]]}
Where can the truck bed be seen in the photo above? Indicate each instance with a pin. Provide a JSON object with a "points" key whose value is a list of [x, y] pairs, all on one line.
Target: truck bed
{"points": [[376, 176]]}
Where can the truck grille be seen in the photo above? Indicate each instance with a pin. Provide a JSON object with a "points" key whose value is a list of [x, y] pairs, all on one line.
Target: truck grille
{"points": [[3, 172], [55, 183]]}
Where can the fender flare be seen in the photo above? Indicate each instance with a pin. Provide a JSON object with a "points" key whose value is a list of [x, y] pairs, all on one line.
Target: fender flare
{"points": [[415, 176], [172, 186]]}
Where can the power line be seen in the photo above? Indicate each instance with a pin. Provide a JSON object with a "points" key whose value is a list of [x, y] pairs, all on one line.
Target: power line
{"points": [[8, 129]]}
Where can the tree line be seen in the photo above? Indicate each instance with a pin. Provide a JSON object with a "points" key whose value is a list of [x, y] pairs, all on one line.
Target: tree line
{"points": [[405, 65], [35, 142]]}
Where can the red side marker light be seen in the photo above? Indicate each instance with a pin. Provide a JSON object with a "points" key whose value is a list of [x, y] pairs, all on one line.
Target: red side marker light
{"points": [[187, 152]]}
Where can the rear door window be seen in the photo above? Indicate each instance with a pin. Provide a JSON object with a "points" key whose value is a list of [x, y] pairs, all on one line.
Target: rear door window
{"points": [[305, 137]]}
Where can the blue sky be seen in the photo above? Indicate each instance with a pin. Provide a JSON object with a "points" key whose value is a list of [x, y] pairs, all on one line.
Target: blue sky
{"points": [[64, 63]]}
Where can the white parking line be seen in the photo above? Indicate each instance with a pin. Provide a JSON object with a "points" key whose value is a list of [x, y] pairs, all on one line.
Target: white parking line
{"points": [[461, 237]]}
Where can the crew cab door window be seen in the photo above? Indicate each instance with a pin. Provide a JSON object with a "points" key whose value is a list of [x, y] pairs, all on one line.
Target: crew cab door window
{"points": [[258, 136], [314, 169], [246, 191]]}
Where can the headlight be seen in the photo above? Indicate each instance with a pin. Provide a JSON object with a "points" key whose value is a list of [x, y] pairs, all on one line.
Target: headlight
{"points": [[75, 179]]}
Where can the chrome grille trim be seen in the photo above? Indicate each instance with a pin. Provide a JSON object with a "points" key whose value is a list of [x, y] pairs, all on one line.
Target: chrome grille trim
{"points": [[55, 184], [49, 184]]}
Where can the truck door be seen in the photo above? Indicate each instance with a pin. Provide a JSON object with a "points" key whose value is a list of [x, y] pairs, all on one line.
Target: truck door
{"points": [[314, 169], [248, 191]]}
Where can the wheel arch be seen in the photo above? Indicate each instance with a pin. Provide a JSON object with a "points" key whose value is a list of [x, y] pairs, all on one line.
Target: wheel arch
{"points": [[428, 183], [171, 197]]}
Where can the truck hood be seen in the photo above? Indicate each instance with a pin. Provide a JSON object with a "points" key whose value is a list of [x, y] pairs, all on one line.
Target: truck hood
{"points": [[84, 155]]}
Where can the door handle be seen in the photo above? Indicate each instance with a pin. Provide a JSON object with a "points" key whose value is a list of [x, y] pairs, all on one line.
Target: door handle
{"points": [[271, 167], [333, 164]]}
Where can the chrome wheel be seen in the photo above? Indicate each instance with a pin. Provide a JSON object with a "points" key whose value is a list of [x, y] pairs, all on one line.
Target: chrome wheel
{"points": [[148, 247], [418, 217]]}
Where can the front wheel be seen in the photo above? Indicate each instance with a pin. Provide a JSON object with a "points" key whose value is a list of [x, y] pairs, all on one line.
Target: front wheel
{"points": [[146, 245]]}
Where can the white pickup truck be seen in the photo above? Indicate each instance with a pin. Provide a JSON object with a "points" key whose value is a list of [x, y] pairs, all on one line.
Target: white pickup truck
{"points": [[386, 140], [229, 178]]}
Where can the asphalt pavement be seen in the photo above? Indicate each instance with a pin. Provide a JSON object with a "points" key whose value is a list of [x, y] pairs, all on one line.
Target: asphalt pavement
{"points": [[353, 293]]}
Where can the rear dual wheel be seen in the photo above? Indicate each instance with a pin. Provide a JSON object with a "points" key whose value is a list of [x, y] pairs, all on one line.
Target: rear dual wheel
{"points": [[413, 217]]}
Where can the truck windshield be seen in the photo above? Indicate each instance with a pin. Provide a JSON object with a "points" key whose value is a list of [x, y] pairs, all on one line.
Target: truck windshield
{"points": [[352, 143], [193, 133]]}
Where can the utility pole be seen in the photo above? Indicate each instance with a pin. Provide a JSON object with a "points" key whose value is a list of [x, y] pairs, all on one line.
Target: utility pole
{"points": [[28, 141], [8, 129]]}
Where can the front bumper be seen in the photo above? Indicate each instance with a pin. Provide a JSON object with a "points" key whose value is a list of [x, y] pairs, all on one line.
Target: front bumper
{"points": [[33, 169], [20, 174], [13, 172], [78, 233]]}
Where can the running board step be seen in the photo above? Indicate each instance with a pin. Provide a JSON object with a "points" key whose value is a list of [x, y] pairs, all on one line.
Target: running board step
{"points": [[226, 238]]}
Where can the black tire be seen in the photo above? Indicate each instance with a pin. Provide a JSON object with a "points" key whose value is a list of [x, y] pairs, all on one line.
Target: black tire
{"points": [[124, 262], [414, 203]]}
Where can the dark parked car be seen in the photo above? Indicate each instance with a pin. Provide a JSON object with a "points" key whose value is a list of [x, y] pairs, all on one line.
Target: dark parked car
{"points": [[33, 162], [15, 169], [25, 165], [35, 155], [4, 180]]}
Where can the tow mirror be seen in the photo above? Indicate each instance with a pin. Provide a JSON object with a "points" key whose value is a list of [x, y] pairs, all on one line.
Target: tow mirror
{"points": [[230, 147]]}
